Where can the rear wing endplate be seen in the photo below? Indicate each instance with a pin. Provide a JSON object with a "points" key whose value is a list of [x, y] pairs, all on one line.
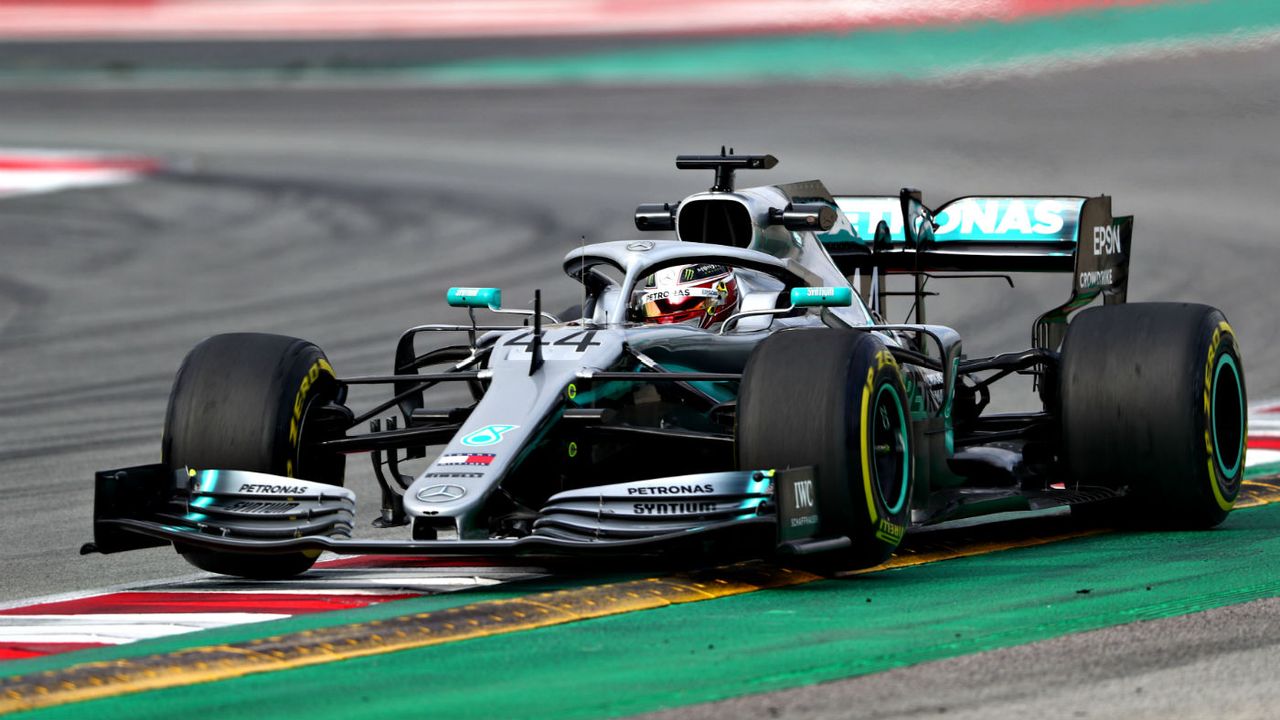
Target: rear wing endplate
{"points": [[989, 233], [1101, 268]]}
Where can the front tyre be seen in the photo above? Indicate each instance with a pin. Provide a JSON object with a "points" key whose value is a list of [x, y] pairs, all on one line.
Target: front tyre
{"points": [[247, 401], [1153, 401], [834, 399]]}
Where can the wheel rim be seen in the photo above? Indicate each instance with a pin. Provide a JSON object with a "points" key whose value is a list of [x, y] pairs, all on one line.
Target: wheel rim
{"points": [[890, 445], [1226, 416]]}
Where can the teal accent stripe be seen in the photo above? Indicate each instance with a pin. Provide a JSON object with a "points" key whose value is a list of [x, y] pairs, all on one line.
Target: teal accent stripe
{"points": [[906, 440], [1224, 361]]}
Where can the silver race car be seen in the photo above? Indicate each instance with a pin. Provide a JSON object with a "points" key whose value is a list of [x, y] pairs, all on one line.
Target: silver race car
{"points": [[731, 392]]}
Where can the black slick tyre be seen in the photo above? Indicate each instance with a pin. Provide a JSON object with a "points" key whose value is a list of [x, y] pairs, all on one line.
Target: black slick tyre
{"points": [[243, 401], [834, 399], [1153, 401]]}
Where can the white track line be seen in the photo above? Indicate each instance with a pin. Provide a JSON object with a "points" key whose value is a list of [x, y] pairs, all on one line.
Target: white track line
{"points": [[26, 171], [356, 581], [116, 628], [1260, 456], [1264, 419], [29, 182]]}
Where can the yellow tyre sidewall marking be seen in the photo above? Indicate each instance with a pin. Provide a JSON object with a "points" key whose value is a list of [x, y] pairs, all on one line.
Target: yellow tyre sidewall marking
{"points": [[320, 366], [299, 402], [866, 446], [1220, 333], [883, 358]]}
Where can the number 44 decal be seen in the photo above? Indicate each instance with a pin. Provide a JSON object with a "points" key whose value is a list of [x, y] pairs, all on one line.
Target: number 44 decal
{"points": [[525, 340]]}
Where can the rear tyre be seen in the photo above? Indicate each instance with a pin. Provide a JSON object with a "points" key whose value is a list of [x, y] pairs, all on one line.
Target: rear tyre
{"points": [[247, 401], [1153, 401], [834, 399]]}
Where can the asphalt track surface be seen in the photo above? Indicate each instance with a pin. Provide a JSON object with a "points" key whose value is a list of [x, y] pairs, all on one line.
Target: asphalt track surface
{"points": [[341, 216]]}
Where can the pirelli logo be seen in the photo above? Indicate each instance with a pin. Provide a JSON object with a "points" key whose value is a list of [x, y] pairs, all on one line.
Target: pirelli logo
{"points": [[889, 532], [317, 368]]}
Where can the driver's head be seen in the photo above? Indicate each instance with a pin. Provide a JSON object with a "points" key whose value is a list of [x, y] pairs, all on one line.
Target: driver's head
{"points": [[702, 295]]}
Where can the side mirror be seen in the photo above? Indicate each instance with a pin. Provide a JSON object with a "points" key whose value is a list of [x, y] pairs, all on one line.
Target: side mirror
{"points": [[818, 217], [474, 297], [822, 296], [656, 216]]}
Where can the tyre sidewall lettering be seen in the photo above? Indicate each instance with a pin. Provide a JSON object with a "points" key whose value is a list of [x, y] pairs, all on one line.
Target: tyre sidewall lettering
{"points": [[310, 379]]}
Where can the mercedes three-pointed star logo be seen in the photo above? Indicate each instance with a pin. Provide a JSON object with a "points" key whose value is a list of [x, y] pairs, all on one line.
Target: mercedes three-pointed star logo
{"points": [[441, 493]]}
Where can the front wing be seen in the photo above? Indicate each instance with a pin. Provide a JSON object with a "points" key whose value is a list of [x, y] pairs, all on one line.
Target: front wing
{"points": [[255, 513]]}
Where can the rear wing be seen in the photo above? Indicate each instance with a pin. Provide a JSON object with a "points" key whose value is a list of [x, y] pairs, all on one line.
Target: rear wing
{"points": [[1002, 234]]}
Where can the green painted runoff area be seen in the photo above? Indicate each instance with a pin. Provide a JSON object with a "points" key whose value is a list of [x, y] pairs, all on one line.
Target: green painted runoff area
{"points": [[895, 53], [761, 641]]}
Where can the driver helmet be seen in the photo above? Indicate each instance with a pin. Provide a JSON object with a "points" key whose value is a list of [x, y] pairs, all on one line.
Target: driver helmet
{"points": [[701, 294]]}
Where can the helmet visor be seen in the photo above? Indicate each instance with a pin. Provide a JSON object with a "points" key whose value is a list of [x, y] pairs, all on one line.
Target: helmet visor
{"points": [[678, 304]]}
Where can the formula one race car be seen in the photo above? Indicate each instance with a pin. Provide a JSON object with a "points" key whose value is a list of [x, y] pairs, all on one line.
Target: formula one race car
{"points": [[730, 392]]}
